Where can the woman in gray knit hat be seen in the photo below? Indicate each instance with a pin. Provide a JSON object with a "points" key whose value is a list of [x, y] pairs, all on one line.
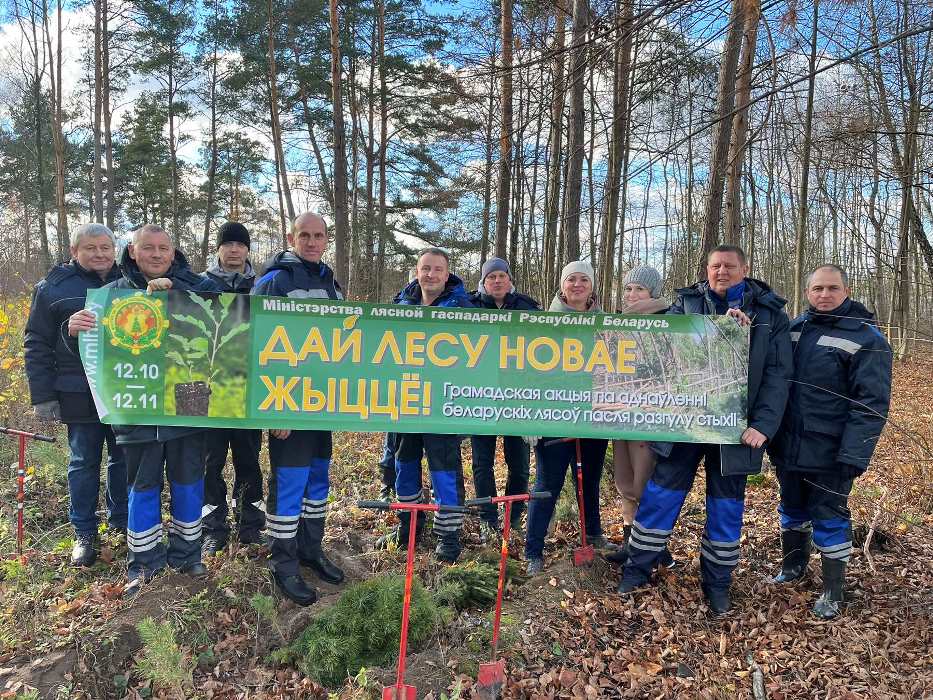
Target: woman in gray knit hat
{"points": [[633, 460]]}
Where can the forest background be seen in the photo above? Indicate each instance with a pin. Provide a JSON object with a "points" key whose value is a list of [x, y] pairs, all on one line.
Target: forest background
{"points": [[625, 132]]}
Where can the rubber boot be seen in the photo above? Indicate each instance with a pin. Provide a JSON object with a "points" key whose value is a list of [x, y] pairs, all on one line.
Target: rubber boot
{"points": [[84, 552], [826, 606], [448, 547], [311, 551], [718, 599], [795, 548]]}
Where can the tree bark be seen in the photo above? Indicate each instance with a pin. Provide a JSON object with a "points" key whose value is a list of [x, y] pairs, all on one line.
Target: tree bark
{"points": [[341, 218], [575, 147], [505, 134], [721, 133], [554, 165], [284, 190]]}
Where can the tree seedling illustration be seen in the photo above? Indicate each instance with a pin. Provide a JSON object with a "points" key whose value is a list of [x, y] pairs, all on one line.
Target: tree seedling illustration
{"points": [[199, 354]]}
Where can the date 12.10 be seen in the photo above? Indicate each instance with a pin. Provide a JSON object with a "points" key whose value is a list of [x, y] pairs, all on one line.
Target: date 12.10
{"points": [[127, 370]]}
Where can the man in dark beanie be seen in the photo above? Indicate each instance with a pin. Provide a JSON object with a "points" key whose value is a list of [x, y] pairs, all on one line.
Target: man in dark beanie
{"points": [[497, 291], [232, 272]]}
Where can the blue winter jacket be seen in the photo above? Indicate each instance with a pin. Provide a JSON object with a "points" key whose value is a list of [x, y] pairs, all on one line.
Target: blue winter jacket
{"points": [[183, 279], [769, 366], [454, 294], [839, 395], [291, 276], [53, 365]]}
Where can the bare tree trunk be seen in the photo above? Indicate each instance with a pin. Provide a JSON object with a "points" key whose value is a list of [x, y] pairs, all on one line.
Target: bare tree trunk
{"points": [[505, 133], [107, 112], [383, 146], [58, 137], [620, 124], [212, 167], [284, 190], [367, 289], [341, 220], [803, 207], [721, 134], [575, 148], [487, 173], [733, 215], [97, 197], [555, 168]]}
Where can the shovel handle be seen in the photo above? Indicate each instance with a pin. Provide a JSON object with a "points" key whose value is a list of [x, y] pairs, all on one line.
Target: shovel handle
{"points": [[487, 500], [376, 505]]}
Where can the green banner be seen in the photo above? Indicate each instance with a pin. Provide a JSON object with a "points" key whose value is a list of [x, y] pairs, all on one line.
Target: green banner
{"points": [[227, 360]]}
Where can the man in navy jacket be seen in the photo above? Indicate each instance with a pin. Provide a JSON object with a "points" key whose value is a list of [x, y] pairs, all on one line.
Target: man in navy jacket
{"points": [[496, 290], [58, 386], [727, 291], [435, 285], [838, 406], [151, 263], [300, 459]]}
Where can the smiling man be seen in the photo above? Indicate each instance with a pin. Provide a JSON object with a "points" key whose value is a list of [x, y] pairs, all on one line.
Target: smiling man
{"points": [[727, 291], [59, 390], [837, 409], [434, 285], [299, 482]]}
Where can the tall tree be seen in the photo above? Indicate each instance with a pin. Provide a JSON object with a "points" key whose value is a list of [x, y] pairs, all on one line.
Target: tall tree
{"points": [[341, 214], [505, 132], [577, 75]]}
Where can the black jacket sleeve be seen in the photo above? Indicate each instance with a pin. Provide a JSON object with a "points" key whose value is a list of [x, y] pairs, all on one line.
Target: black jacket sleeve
{"points": [[869, 378], [40, 339], [765, 416]]}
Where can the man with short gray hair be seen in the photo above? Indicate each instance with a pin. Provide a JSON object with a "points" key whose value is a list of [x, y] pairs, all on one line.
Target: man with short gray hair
{"points": [[58, 386]]}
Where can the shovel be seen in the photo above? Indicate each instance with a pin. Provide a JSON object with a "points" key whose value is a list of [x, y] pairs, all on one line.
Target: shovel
{"points": [[400, 691], [21, 482], [491, 674]]}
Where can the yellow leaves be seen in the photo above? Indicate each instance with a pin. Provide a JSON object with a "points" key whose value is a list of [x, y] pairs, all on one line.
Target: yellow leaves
{"points": [[4, 322], [8, 363]]}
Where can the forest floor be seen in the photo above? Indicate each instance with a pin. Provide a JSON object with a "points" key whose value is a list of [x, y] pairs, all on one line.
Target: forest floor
{"points": [[67, 633]]}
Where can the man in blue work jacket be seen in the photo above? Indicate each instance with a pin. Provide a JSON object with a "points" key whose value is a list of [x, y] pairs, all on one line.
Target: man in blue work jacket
{"points": [[837, 409], [727, 291]]}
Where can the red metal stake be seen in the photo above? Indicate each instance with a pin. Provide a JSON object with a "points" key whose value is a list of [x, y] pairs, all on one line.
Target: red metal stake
{"points": [[582, 555], [22, 435], [20, 498]]}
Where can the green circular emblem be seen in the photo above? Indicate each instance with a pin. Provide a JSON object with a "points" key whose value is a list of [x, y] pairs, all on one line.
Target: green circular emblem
{"points": [[136, 323]]}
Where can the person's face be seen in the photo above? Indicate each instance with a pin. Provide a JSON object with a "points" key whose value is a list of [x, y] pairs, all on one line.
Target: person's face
{"points": [[724, 270], [153, 253], [498, 284], [309, 238], [635, 292], [433, 272], [94, 253], [826, 290], [577, 288], [232, 255]]}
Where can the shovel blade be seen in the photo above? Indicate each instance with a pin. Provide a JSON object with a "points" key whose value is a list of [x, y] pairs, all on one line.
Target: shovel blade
{"points": [[408, 692], [489, 680], [583, 556]]}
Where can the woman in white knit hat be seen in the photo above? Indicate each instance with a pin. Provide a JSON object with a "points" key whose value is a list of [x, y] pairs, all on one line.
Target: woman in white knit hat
{"points": [[552, 456], [633, 461]]}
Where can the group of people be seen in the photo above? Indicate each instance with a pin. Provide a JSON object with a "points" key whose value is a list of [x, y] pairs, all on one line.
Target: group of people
{"points": [[818, 395]]}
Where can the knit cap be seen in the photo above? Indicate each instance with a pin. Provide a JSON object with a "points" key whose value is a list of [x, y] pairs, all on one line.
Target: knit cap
{"points": [[233, 232], [582, 266], [494, 265], [647, 277]]}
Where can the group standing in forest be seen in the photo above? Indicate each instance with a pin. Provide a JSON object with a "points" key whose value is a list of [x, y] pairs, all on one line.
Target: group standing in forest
{"points": [[818, 395]]}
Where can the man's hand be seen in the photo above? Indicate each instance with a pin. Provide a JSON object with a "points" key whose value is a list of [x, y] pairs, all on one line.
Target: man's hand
{"points": [[81, 321], [159, 284], [48, 410], [741, 317], [280, 434], [753, 438]]}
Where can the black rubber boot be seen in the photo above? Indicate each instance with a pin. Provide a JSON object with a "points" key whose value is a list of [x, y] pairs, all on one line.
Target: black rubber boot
{"points": [[295, 589], [311, 551], [84, 552], [827, 606], [448, 547], [718, 599], [795, 549], [212, 544]]}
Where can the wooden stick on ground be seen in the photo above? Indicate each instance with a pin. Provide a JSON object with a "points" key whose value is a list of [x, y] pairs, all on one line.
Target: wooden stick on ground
{"points": [[758, 679], [871, 530]]}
